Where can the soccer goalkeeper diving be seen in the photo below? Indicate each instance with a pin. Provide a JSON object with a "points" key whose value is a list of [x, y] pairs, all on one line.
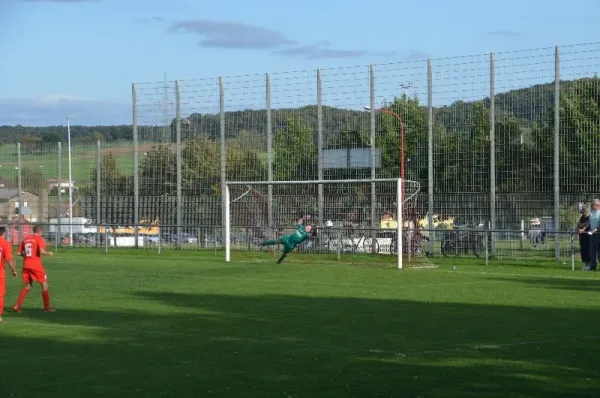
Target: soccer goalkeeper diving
{"points": [[290, 241]]}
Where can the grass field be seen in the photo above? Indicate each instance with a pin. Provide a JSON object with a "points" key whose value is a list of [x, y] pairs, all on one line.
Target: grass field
{"points": [[180, 324], [83, 159]]}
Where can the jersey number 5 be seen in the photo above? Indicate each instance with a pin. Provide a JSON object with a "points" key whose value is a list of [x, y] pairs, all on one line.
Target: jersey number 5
{"points": [[28, 250]]}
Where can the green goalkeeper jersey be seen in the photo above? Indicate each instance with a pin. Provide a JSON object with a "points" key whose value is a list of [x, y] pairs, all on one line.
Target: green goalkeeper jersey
{"points": [[299, 236]]}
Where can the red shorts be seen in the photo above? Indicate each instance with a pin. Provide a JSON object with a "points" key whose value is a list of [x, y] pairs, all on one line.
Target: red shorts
{"points": [[31, 275]]}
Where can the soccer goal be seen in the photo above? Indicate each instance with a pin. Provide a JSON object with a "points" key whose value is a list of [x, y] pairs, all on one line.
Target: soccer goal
{"points": [[369, 219]]}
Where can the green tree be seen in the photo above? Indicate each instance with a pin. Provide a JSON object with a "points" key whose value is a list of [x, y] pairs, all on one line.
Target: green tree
{"points": [[580, 136], [112, 180], [388, 139], [51, 137], [201, 158], [115, 187], [158, 172], [32, 180], [295, 152]]}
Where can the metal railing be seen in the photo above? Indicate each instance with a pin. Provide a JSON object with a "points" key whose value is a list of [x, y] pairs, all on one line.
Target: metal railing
{"points": [[462, 242]]}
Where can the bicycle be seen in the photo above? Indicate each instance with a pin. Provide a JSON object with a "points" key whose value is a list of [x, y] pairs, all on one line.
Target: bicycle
{"points": [[462, 240]]}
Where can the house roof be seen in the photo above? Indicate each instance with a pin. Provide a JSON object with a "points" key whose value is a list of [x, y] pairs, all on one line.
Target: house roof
{"points": [[6, 194]]}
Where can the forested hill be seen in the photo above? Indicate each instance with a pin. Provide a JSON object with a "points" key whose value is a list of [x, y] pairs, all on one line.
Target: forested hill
{"points": [[531, 104]]}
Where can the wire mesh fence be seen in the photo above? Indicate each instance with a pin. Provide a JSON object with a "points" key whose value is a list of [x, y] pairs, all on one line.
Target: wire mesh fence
{"points": [[508, 142]]}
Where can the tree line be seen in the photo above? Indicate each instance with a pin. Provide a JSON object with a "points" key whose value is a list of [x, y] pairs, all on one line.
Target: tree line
{"points": [[529, 105]]}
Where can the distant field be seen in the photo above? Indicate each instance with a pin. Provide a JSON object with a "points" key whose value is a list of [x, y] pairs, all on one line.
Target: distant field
{"points": [[83, 160]]}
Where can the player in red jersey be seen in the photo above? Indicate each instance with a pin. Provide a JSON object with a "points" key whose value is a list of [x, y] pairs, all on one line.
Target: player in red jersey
{"points": [[6, 257], [32, 248]]}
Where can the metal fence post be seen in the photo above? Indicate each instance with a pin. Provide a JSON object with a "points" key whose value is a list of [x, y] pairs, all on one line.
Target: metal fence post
{"points": [[98, 189], [136, 178], [59, 192], [430, 158], [223, 153], [269, 152], [493, 153], [178, 157], [20, 188], [572, 249], [557, 153], [373, 171], [486, 244], [320, 146]]}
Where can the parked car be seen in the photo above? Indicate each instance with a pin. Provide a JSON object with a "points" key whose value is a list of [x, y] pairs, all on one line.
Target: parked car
{"points": [[153, 239], [181, 238]]}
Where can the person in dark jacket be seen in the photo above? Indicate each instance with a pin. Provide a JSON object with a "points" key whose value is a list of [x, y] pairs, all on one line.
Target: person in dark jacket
{"points": [[583, 226]]}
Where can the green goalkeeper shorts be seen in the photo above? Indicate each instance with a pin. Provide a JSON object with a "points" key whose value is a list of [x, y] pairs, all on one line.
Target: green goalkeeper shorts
{"points": [[287, 245]]}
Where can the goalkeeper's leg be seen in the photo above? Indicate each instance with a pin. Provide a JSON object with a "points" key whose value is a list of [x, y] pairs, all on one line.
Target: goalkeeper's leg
{"points": [[281, 241], [286, 250]]}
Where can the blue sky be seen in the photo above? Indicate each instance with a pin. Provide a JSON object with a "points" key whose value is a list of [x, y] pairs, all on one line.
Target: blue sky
{"points": [[61, 56]]}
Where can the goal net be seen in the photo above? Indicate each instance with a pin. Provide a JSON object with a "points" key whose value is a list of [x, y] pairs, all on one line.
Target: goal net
{"points": [[360, 221]]}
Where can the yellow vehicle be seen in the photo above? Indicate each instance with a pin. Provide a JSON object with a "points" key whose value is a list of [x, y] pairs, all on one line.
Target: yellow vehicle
{"points": [[437, 222], [389, 222], [147, 228]]}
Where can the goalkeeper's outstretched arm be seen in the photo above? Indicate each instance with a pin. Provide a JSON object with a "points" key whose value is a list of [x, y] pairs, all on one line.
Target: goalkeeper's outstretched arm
{"points": [[304, 219]]}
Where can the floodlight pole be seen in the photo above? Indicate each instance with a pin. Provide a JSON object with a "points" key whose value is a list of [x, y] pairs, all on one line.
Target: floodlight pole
{"points": [[70, 183], [406, 86]]}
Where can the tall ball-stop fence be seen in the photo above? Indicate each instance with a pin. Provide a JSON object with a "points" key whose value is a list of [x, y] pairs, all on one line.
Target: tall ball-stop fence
{"points": [[501, 145]]}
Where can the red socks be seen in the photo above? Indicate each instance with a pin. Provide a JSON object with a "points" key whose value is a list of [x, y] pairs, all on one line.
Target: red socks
{"points": [[1, 304], [46, 297], [21, 297]]}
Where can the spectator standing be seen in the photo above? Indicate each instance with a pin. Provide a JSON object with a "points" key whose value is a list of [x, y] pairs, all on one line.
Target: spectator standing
{"points": [[594, 235], [583, 226]]}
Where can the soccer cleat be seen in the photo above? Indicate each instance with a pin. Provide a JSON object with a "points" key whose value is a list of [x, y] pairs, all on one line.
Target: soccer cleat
{"points": [[16, 309], [1, 320], [49, 309]]}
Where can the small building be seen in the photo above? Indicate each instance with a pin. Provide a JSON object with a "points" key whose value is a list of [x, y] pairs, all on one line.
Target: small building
{"points": [[34, 207], [53, 185], [19, 223]]}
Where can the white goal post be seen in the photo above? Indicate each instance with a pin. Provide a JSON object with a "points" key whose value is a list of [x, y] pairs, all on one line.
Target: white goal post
{"points": [[399, 202]]}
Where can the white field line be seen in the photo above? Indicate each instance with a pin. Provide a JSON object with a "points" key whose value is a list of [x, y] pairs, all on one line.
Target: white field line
{"points": [[464, 347]]}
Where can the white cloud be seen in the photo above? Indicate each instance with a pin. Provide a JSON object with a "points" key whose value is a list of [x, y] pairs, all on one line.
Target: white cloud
{"points": [[52, 110]]}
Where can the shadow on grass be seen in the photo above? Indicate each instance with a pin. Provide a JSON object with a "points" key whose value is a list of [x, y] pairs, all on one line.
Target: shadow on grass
{"points": [[195, 345], [575, 284]]}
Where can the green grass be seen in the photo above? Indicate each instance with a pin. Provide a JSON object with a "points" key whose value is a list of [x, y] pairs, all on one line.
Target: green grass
{"points": [[83, 160], [181, 324]]}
